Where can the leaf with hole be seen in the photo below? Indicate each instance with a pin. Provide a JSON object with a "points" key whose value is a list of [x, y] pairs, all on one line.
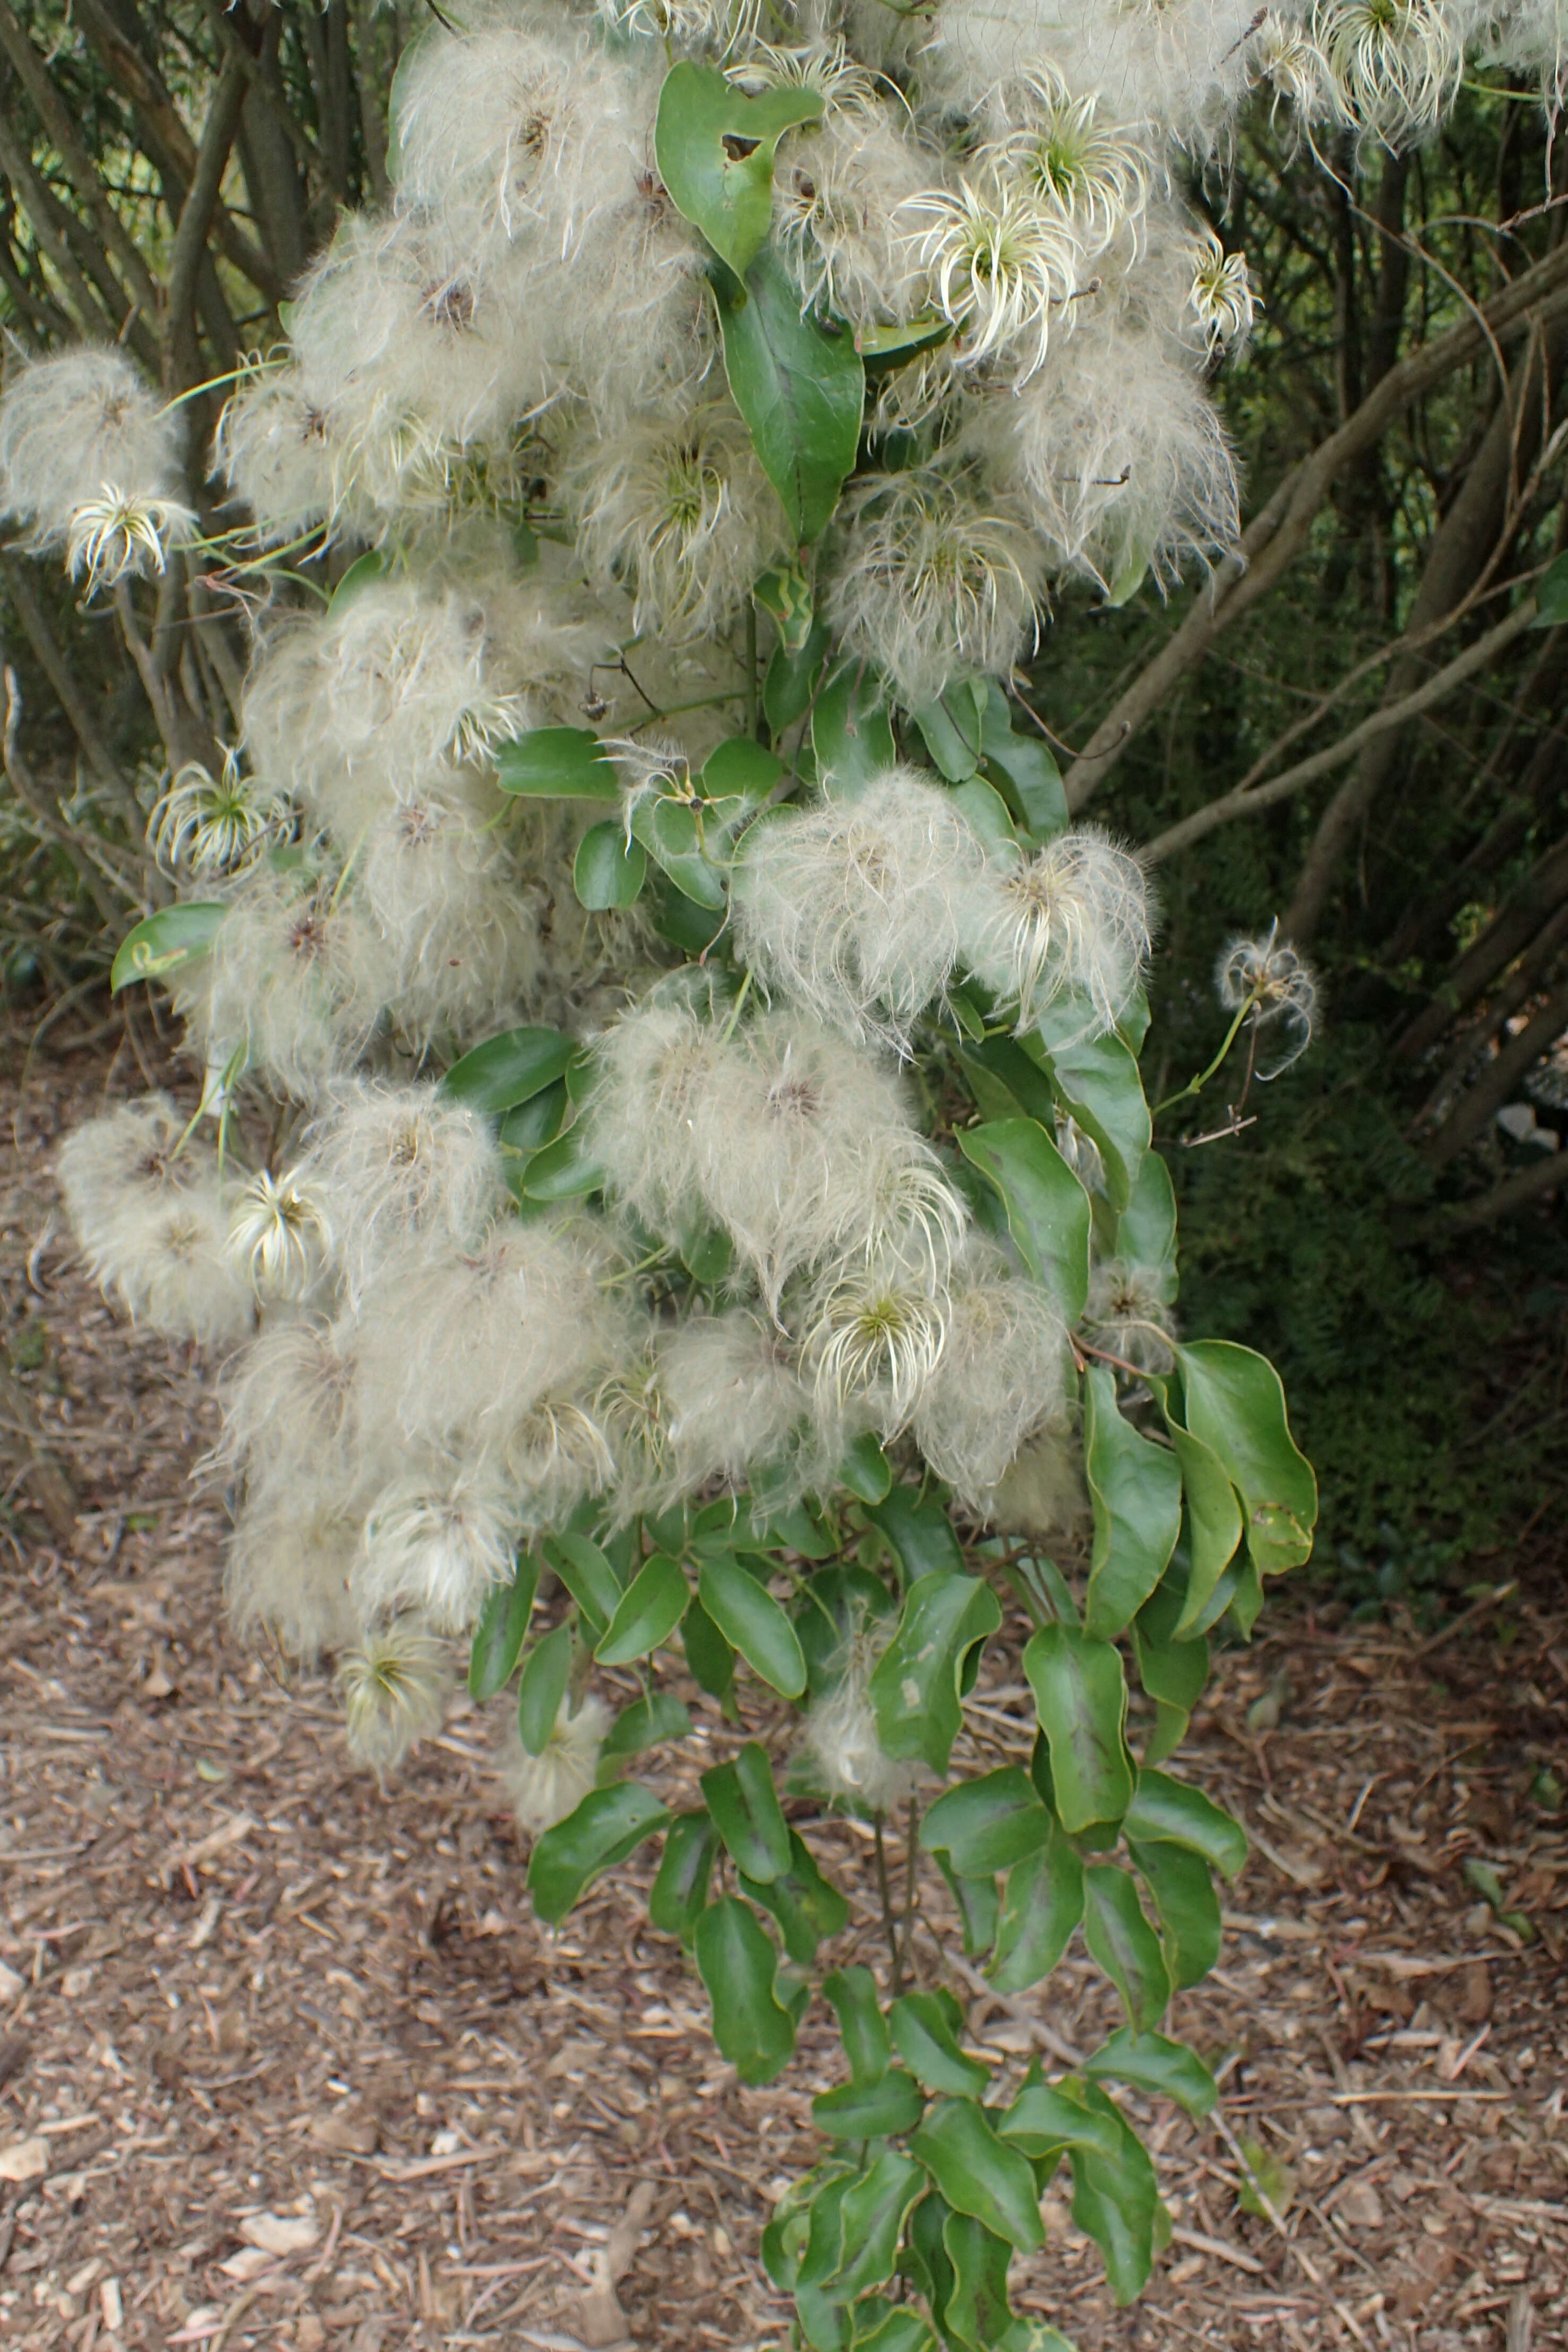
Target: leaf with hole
{"points": [[714, 147]]}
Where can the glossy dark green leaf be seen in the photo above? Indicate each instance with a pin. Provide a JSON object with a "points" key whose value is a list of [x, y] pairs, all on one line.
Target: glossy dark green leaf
{"points": [[646, 1613], [562, 1170], [1041, 1904], [1046, 2119], [526, 1128], [673, 834], [502, 1629], [1136, 1488], [714, 148], [752, 1622], [978, 2309], [879, 2110], [884, 348], [792, 679], [679, 1894], [558, 763], [587, 1575], [1115, 2202], [924, 2038], [952, 727], [1234, 1404], [737, 1962], [828, 1610], [986, 813], [978, 1907], [985, 1824], [646, 1722], [546, 1673], [1025, 1081], [883, 2326], [710, 1657], [1047, 1208], [1151, 2063], [508, 1069], [807, 1907], [1148, 1231], [865, 1469], [1081, 1696], [852, 735], [862, 2028], [1121, 1942], [979, 2174], [166, 942], [919, 1530], [1023, 769], [744, 1804], [1188, 1908], [1165, 1811], [740, 771], [607, 1825], [1173, 1671], [608, 871], [824, 2232], [1213, 1525], [874, 2212], [915, 1689], [1096, 1079], [797, 381]]}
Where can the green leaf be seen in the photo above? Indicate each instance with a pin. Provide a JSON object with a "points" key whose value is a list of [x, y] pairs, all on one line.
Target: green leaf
{"points": [[1172, 1672], [503, 1626], [1115, 2202], [1188, 1907], [987, 1823], [978, 1907], [979, 2174], [1171, 1813], [1047, 2118], [879, 2110], [1236, 1406], [1147, 1233], [647, 1612], [607, 1825], [543, 1688], [1081, 1696], [852, 735], [365, 569], [808, 1909], [986, 813], [798, 381], [740, 771], [865, 1469], [752, 1622], [508, 1069], [1552, 596], [978, 2309], [925, 2040], [1268, 2186], [528, 1126], [952, 727], [646, 1722], [744, 1804], [166, 942], [562, 1170], [1150, 2063], [672, 833], [714, 148], [862, 2028], [784, 594], [1023, 770], [873, 2214], [825, 2232], [915, 1689], [1096, 1079], [1033, 2334], [680, 1891], [926, 2255], [1041, 1904], [1136, 1488], [558, 763], [1047, 1208], [920, 1532], [710, 1657], [587, 1575], [1121, 1942], [792, 679], [608, 871], [1028, 1088], [1213, 1522], [894, 346], [826, 1613], [737, 1962], [883, 2326]]}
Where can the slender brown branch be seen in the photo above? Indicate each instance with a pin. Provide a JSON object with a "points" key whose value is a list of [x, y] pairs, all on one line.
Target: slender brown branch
{"points": [[182, 354], [1515, 1192]]}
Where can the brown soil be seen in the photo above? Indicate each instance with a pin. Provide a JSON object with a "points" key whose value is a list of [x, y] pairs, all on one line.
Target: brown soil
{"points": [[285, 2059]]}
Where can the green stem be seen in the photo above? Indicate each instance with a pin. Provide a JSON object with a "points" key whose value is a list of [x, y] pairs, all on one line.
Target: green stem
{"points": [[890, 1926], [734, 1011], [1195, 1085]]}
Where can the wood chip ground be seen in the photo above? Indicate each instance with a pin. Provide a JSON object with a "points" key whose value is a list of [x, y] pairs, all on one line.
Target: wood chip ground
{"points": [[285, 2059]]}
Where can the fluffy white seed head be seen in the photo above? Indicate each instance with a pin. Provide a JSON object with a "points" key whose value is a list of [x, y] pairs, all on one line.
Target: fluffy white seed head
{"points": [[391, 1686], [855, 910], [461, 942], [839, 1737], [1221, 298], [653, 1068], [278, 1237], [733, 1399], [1396, 65], [933, 579], [1278, 989], [1043, 1493], [545, 1789], [676, 508], [875, 1331], [1128, 1313], [1071, 152], [274, 449], [439, 1542], [82, 431], [1003, 258], [1182, 65], [289, 1562], [295, 981], [839, 223], [150, 1219], [392, 1166], [295, 1419], [207, 825], [1000, 1376], [1071, 922]]}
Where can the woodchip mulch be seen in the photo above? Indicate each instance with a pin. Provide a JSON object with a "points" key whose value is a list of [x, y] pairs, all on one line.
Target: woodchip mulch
{"points": [[285, 2059]]}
